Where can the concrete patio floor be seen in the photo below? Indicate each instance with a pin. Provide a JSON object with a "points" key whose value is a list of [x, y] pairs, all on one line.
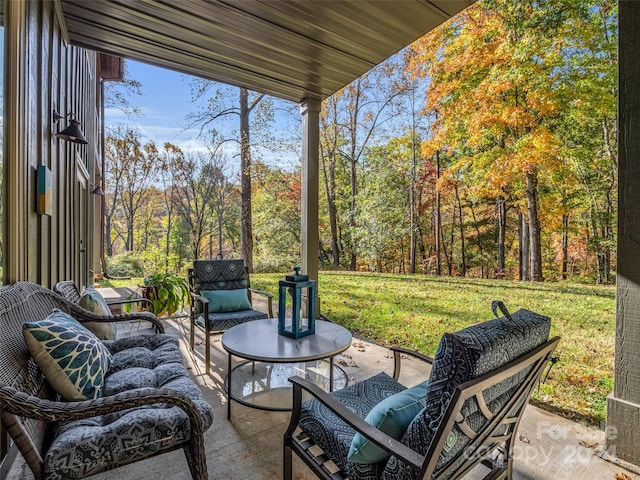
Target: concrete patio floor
{"points": [[249, 446]]}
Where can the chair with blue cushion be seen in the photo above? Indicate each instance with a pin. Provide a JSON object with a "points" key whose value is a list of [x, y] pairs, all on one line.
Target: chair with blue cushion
{"points": [[464, 417], [221, 299]]}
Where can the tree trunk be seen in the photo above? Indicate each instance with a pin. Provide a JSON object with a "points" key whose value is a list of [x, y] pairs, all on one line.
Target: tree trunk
{"points": [[523, 240], [333, 216], [463, 261], [412, 189], [535, 253], [438, 222], [480, 249], [453, 238], [246, 230], [107, 235], [502, 228], [565, 245]]}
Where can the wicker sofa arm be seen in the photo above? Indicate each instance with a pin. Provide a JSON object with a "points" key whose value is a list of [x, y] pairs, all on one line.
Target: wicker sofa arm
{"points": [[83, 315], [269, 298], [397, 358], [381, 439], [28, 406]]}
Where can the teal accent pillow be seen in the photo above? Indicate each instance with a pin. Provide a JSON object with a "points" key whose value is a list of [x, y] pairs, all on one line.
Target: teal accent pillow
{"points": [[73, 360], [227, 300], [392, 416], [93, 301]]}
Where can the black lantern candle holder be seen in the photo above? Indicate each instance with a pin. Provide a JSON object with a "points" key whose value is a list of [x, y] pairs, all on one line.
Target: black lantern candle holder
{"points": [[290, 299]]}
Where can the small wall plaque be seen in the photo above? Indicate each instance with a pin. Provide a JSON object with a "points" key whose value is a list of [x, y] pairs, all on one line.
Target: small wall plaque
{"points": [[44, 203]]}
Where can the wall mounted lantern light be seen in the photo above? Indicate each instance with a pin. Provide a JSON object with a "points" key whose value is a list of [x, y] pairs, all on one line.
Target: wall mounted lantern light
{"points": [[98, 191], [72, 133]]}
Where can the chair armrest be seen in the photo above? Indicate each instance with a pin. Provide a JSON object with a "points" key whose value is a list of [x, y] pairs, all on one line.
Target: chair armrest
{"points": [[204, 301], [129, 301], [269, 298], [381, 439], [27, 406], [83, 315], [397, 358]]}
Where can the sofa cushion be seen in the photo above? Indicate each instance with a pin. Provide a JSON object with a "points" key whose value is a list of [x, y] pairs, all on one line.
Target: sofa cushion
{"points": [[73, 360], [334, 436], [464, 356], [227, 300], [86, 445], [93, 301], [391, 416]]}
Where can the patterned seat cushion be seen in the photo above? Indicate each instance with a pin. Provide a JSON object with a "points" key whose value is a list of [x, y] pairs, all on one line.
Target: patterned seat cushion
{"points": [[87, 445], [225, 320], [333, 435], [463, 356]]}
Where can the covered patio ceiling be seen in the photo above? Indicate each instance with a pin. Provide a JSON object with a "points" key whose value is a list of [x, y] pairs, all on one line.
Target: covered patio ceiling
{"points": [[292, 49]]}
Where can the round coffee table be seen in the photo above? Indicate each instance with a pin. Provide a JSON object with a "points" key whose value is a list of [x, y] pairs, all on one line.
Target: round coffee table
{"points": [[261, 381]]}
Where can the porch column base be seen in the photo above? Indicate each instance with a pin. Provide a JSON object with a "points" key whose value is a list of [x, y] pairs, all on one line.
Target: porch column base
{"points": [[622, 434]]}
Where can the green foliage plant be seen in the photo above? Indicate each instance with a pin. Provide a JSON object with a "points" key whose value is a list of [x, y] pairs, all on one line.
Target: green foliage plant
{"points": [[124, 265], [168, 293]]}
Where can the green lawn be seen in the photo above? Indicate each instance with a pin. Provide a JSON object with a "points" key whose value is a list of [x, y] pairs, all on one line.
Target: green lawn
{"points": [[415, 310]]}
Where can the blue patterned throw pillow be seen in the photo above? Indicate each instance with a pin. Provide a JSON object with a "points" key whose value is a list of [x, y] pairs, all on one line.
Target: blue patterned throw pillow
{"points": [[93, 301], [73, 360]]}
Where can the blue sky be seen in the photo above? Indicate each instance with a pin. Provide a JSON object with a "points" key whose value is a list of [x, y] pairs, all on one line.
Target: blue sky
{"points": [[165, 103]]}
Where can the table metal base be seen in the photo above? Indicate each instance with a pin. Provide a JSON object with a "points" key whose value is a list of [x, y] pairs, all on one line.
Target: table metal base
{"points": [[266, 386]]}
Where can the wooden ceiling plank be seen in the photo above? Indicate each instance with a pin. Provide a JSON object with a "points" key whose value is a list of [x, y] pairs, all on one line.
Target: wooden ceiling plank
{"points": [[256, 56], [288, 48]]}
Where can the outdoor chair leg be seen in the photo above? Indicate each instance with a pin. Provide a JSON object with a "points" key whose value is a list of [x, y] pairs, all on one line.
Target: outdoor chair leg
{"points": [[192, 328], [207, 353], [196, 458], [287, 462]]}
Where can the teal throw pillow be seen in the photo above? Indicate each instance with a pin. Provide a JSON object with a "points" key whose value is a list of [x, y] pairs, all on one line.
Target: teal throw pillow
{"points": [[73, 360], [227, 300], [392, 416], [93, 301]]}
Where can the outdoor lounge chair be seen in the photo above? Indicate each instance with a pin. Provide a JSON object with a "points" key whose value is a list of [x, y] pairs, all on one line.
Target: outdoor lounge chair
{"points": [[221, 299], [465, 416], [140, 401]]}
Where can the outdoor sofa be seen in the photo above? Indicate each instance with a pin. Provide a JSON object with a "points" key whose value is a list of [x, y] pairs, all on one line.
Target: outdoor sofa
{"points": [[98, 405]]}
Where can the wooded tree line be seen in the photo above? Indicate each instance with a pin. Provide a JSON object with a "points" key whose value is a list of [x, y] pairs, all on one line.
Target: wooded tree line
{"points": [[486, 148]]}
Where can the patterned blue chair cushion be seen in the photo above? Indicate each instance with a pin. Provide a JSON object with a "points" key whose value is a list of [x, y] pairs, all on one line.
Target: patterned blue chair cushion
{"points": [[463, 356], [71, 358], [225, 320], [141, 361], [219, 274], [333, 435]]}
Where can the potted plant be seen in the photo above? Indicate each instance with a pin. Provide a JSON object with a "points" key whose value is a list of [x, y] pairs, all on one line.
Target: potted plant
{"points": [[168, 292]]}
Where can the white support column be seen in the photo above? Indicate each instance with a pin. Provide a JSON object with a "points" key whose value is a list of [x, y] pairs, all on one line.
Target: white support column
{"points": [[623, 406], [310, 111]]}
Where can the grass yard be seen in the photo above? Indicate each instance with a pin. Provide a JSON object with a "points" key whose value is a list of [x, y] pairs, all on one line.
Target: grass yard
{"points": [[415, 310]]}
